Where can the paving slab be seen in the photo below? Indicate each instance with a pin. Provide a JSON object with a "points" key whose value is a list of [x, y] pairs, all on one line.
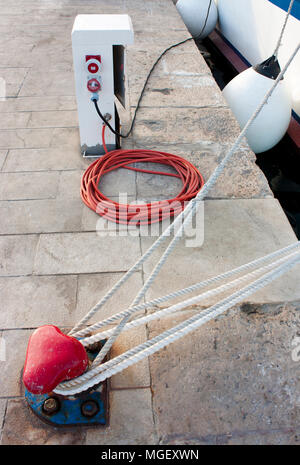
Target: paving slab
{"points": [[17, 254], [33, 301], [22, 427], [22, 54], [14, 78], [56, 119], [69, 185], [238, 370], [242, 178], [62, 103], [29, 186], [49, 159], [91, 221], [84, 253], [26, 138], [180, 69], [131, 420], [3, 403], [281, 437], [15, 120], [195, 91], [11, 369], [64, 137], [120, 181], [3, 155], [235, 232], [92, 287], [48, 82], [138, 375], [154, 126]]}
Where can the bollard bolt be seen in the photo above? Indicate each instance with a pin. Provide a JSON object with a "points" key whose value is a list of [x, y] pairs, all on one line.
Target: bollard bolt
{"points": [[51, 405]]}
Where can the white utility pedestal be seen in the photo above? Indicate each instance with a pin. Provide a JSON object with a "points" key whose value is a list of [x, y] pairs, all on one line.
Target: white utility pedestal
{"points": [[99, 65]]}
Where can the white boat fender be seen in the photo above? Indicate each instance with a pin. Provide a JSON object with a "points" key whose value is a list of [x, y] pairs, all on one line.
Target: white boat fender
{"points": [[199, 16], [244, 93]]}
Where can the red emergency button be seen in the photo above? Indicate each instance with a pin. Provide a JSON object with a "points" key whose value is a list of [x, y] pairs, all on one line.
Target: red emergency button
{"points": [[93, 85], [93, 68]]}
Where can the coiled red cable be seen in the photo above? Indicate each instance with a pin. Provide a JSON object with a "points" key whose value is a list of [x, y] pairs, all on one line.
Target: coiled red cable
{"points": [[138, 214]]}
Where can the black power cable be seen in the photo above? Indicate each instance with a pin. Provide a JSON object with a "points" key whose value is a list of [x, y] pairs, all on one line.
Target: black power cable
{"points": [[147, 80]]}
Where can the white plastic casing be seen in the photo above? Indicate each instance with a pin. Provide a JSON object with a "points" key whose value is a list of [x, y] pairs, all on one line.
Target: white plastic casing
{"points": [[94, 35]]}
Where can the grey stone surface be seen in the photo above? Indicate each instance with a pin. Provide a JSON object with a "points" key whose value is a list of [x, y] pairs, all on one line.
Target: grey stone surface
{"points": [[195, 91], [14, 77], [112, 184], [22, 427], [48, 82], [15, 120], [3, 403], [92, 287], [155, 127], [231, 382], [3, 155], [235, 232], [50, 119], [131, 420], [84, 253], [44, 103], [42, 216], [237, 370], [17, 254], [49, 159], [91, 221], [69, 185], [28, 186], [26, 138], [11, 369], [241, 179], [137, 375], [33, 301]]}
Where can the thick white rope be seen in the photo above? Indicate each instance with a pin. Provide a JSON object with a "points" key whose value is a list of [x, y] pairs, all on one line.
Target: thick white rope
{"points": [[283, 28], [188, 302], [180, 306], [159, 300], [211, 182], [102, 372], [160, 240], [201, 195], [166, 233]]}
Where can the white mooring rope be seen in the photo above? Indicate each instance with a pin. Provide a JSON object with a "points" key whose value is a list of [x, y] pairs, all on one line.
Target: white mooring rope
{"points": [[187, 303], [106, 370], [93, 376], [283, 28], [178, 293]]}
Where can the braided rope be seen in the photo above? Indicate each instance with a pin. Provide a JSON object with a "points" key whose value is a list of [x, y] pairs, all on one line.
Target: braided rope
{"points": [[283, 28], [179, 293], [186, 303], [177, 307], [102, 372], [191, 209], [200, 196]]}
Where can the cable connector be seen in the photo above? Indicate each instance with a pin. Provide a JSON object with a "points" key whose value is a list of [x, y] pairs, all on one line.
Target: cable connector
{"points": [[95, 97]]}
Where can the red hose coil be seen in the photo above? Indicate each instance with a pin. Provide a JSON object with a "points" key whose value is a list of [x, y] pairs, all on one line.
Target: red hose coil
{"points": [[153, 212]]}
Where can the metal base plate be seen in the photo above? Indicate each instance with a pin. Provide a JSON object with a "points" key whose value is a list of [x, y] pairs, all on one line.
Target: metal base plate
{"points": [[86, 409]]}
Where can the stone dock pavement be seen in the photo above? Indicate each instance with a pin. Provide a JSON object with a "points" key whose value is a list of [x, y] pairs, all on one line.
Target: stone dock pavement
{"points": [[233, 381]]}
